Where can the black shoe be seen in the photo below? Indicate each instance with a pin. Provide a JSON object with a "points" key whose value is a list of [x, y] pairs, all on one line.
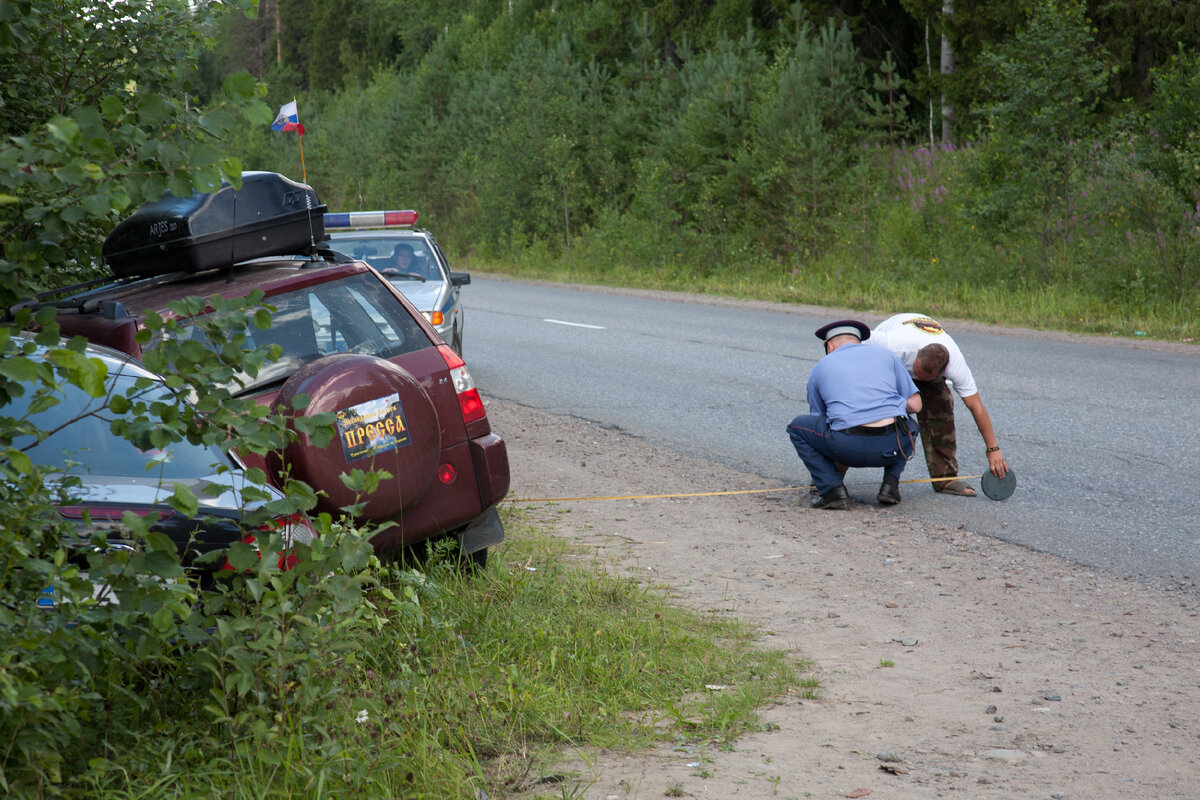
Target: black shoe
{"points": [[834, 498], [889, 490]]}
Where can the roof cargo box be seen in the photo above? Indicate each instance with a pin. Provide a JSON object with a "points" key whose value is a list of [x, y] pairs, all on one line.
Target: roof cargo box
{"points": [[270, 215]]}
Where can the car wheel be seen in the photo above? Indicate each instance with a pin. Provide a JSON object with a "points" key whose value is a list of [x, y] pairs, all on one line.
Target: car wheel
{"points": [[456, 344], [384, 421], [476, 560]]}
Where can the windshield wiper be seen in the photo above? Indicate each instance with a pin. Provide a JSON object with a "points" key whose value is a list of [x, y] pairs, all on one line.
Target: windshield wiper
{"points": [[263, 386]]}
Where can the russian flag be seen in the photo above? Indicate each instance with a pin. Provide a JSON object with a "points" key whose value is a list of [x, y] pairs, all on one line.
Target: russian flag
{"points": [[288, 118]]}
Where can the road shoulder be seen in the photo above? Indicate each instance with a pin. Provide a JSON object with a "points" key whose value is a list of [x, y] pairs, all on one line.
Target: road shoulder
{"points": [[984, 668]]}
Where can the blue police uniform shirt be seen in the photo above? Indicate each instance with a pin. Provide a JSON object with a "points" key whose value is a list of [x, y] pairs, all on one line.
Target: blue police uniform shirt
{"points": [[857, 384]]}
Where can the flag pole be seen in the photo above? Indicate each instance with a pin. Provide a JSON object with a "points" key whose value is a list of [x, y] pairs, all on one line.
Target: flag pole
{"points": [[303, 169], [300, 141]]}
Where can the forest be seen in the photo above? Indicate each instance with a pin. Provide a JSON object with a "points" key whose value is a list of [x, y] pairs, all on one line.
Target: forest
{"points": [[1034, 162], [961, 157]]}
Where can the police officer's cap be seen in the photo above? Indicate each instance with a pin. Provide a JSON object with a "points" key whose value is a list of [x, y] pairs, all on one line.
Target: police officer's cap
{"points": [[844, 326]]}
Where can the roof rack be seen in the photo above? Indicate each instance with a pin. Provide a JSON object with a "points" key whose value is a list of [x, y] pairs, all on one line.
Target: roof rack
{"points": [[89, 297]]}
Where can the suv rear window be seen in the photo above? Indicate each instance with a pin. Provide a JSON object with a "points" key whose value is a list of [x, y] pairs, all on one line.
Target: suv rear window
{"points": [[355, 314]]}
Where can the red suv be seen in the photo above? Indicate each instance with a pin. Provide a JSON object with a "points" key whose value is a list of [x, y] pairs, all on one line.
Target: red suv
{"points": [[404, 401]]}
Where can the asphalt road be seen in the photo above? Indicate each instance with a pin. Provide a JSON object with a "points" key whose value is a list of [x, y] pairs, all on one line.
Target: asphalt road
{"points": [[1104, 437]]}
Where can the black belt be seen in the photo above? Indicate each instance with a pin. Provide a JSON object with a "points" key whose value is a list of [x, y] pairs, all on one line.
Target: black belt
{"points": [[867, 430]]}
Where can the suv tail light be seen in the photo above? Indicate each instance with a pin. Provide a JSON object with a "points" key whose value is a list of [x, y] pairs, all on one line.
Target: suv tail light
{"points": [[468, 396]]}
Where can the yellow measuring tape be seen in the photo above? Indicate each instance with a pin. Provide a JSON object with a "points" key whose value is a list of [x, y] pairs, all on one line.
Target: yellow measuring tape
{"points": [[704, 494]]}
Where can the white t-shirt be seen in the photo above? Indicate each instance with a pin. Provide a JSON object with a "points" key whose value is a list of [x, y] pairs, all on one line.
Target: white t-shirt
{"points": [[905, 334]]}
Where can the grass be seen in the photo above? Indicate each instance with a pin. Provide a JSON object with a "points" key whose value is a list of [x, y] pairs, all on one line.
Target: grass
{"points": [[477, 682], [833, 283]]}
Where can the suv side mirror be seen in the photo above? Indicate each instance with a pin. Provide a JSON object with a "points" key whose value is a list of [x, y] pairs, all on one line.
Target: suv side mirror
{"points": [[460, 278]]}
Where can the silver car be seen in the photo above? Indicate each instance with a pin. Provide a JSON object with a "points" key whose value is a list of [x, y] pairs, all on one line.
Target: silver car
{"points": [[411, 260], [114, 476]]}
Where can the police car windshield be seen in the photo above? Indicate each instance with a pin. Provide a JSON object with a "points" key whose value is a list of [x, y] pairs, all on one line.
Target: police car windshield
{"points": [[410, 255]]}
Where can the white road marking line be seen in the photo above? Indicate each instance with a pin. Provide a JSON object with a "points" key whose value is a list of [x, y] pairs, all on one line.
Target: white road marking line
{"points": [[574, 324]]}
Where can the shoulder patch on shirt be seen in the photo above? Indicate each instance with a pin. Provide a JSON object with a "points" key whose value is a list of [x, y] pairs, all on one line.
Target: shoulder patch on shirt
{"points": [[926, 324]]}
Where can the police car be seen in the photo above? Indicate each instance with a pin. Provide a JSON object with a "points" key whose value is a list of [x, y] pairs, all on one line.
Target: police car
{"points": [[410, 258]]}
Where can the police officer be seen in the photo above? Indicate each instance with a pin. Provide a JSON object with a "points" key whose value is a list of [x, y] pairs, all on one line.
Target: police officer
{"points": [[859, 398]]}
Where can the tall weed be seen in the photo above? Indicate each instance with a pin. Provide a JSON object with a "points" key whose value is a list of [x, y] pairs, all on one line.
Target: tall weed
{"points": [[1124, 260]]}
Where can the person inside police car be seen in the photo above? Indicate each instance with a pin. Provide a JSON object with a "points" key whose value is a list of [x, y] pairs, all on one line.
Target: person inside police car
{"points": [[859, 398], [933, 358], [402, 258]]}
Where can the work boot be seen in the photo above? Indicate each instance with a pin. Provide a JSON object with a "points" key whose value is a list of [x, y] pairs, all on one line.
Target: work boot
{"points": [[889, 490], [835, 498]]}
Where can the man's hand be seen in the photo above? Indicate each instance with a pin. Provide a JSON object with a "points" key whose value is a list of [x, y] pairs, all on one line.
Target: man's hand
{"points": [[997, 464]]}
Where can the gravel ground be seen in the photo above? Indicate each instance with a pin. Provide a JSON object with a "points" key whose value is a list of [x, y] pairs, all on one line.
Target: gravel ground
{"points": [[951, 664]]}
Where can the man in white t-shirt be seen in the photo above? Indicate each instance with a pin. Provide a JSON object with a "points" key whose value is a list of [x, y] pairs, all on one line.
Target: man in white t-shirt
{"points": [[932, 358]]}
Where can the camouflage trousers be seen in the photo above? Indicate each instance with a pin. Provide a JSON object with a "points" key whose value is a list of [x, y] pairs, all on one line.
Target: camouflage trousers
{"points": [[936, 419]]}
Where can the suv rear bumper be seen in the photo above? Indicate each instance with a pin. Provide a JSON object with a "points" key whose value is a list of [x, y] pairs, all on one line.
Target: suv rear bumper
{"points": [[485, 532], [489, 455], [482, 469]]}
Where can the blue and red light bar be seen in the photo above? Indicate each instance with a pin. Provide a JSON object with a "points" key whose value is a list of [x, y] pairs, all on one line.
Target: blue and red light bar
{"points": [[371, 219]]}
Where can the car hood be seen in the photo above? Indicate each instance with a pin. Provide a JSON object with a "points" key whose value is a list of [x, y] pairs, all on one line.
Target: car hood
{"points": [[424, 296]]}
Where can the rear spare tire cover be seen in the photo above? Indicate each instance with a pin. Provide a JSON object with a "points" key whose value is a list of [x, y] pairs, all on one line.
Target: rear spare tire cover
{"points": [[384, 421]]}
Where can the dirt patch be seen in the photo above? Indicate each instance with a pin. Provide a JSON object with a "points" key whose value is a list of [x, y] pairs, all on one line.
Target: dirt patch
{"points": [[966, 666]]}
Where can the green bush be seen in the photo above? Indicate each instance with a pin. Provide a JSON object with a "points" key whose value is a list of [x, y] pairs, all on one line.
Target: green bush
{"points": [[85, 678]]}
